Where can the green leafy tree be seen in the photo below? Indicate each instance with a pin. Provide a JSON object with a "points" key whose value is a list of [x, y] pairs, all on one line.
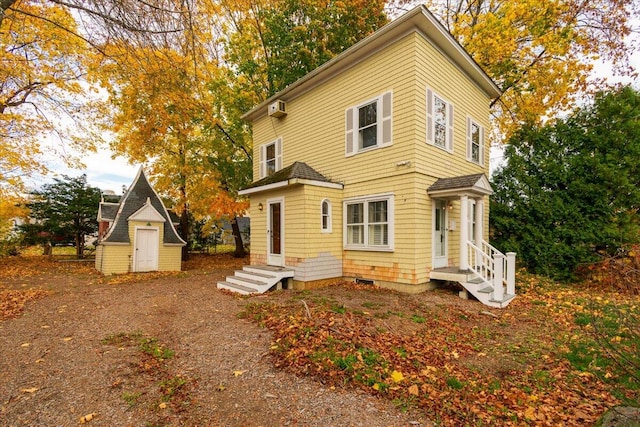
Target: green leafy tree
{"points": [[570, 190], [67, 208]]}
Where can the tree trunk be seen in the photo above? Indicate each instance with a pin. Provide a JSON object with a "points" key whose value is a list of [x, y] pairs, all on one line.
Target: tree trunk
{"points": [[184, 233], [240, 252], [79, 246]]}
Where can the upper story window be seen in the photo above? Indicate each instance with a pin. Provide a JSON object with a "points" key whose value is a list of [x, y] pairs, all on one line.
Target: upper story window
{"points": [[369, 125], [439, 121], [475, 142], [270, 157], [325, 216], [369, 223]]}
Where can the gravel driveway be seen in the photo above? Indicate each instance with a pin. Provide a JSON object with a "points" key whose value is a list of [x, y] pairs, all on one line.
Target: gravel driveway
{"points": [[156, 350]]}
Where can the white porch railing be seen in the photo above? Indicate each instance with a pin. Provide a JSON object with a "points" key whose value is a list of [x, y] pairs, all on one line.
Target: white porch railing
{"points": [[493, 267]]}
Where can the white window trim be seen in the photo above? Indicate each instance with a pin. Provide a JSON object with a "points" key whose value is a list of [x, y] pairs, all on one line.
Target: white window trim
{"points": [[329, 216], [470, 123], [263, 156], [384, 123], [430, 136], [389, 198]]}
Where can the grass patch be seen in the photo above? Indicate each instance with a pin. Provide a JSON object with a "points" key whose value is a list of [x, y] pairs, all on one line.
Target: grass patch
{"points": [[131, 398], [454, 383], [169, 387], [418, 319], [152, 347]]}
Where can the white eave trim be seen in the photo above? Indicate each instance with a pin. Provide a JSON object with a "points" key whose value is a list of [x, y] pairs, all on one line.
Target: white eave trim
{"points": [[464, 191], [292, 181], [316, 183], [263, 188]]}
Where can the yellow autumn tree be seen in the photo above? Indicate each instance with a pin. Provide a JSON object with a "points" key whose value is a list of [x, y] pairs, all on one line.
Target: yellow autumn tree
{"points": [[539, 52], [42, 66], [47, 102], [167, 116]]}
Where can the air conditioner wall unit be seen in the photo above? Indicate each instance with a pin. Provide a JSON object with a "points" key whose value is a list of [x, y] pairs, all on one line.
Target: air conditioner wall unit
{"points": [[278, 108]]}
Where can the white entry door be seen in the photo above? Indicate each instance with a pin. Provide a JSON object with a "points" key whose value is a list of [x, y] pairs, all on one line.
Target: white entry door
{"points": [[440, 220], [275, 232], [146, 249]]}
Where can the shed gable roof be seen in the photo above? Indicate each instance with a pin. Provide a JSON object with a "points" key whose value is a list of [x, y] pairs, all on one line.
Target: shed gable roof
{"points": [[139, 194], [418, 20]]}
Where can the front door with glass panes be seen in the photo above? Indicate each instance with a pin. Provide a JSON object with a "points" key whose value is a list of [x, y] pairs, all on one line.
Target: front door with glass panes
{"points": [[275, 228], [440, 228]]}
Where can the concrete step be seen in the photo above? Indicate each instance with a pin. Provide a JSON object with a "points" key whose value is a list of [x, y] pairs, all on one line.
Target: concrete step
{"points": [[244, 290], [255, 275], [246, 281]]}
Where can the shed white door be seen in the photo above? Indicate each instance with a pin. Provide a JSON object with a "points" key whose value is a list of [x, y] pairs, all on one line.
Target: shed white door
{"points": [[440, 253], [146, 249], [275, 232]]}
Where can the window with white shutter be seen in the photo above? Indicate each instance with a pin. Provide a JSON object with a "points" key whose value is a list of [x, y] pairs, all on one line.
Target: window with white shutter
{"points": [[270, 158], [369, 125], [439, 121], [475, 142]]}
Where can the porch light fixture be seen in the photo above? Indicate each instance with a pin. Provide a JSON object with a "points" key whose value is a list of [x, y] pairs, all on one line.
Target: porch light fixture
{"points": [[260, 206]]}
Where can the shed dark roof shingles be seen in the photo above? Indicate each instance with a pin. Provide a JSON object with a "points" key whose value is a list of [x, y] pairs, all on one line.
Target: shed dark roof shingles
{"points": [[135, 198]]}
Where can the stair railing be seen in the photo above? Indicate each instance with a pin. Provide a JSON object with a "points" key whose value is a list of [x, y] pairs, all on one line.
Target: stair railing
{"points": [[493, 267]]}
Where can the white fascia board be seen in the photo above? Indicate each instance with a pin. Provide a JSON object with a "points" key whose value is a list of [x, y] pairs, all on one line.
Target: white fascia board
{"points": [[263, 188], [316, 183]]}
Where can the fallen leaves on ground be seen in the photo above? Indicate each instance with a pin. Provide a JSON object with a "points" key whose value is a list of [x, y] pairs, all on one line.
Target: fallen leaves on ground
{"points": [[12, 302], [457, 365]]}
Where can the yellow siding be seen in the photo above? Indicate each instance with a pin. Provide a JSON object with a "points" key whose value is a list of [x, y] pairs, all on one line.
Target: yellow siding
{"points": [[314, 129], [314, 132], [118, 259], [304, 243], [170, 258], [468, 100]]}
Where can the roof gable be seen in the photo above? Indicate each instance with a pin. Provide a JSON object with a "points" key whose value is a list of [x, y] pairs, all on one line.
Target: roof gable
{"points": [[476, 184], [418, 20], [147, 213], [139, 201]]}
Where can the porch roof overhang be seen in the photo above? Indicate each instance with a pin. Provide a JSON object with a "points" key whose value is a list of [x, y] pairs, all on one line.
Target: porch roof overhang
{"points": [[468, 185], [298, 173]]}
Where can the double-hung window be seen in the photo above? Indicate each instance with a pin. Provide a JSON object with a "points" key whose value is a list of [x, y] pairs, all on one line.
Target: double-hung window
{"points": [[369, 223], [439, 121], [270, 158], [475, 142], [368, 125]]}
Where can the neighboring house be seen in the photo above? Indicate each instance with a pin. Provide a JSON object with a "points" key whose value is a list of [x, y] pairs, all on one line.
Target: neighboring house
{"points": [[137, 234], [374, 167], [226, 228]]}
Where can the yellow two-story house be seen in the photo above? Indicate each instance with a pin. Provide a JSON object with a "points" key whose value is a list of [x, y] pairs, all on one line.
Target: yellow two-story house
{"points": [[373, 167]]}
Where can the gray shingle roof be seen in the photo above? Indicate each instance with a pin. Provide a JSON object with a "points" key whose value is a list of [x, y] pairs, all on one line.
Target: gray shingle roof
{"points": [[452, 183], [134, 199], [298, 170], [108, 211]]}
